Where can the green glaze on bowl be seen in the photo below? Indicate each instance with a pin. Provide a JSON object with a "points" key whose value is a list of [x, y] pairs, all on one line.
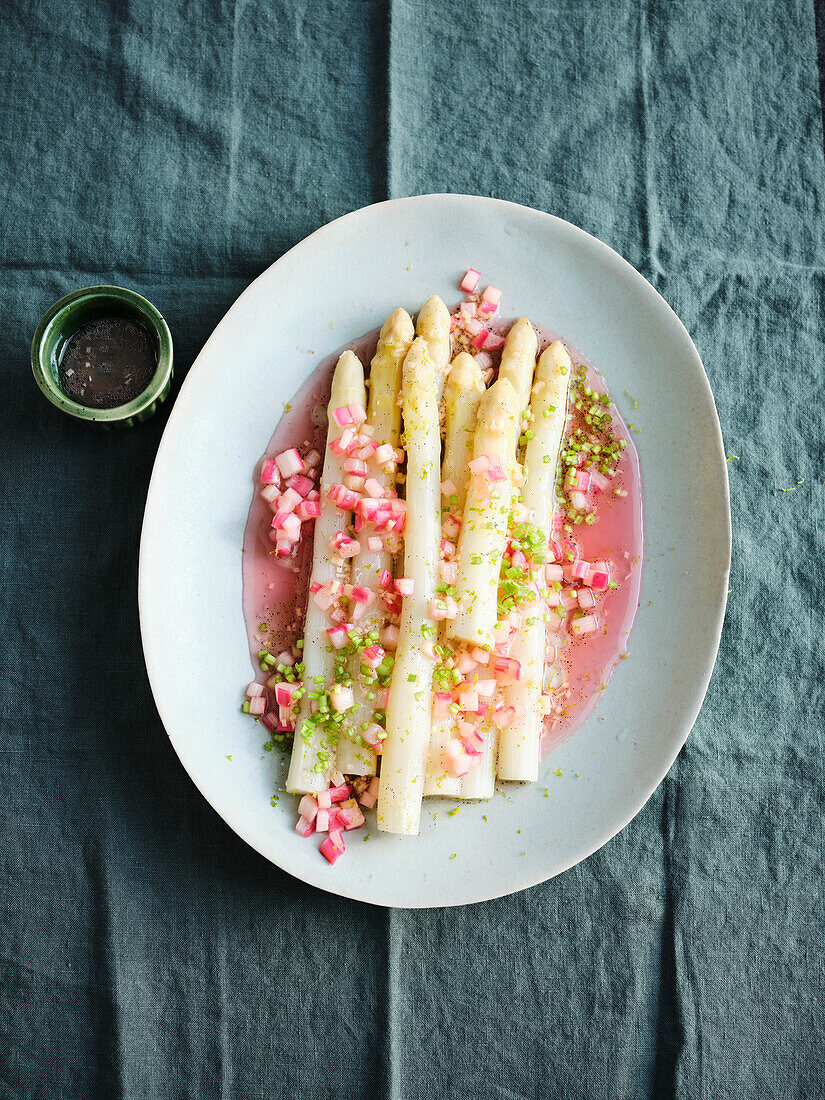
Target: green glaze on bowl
{"points": [[61, 322]]}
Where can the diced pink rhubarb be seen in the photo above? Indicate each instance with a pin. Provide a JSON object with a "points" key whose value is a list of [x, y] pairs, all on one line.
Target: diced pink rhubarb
{"points": [[346, 547], [472, 742], [269, 473], [451, 528], [507, 666], [341, 699], [323, 598], [438, 609], [351, 817], [374, 736], [308, 807], [271, 494], [350, 548], [285, 694], [289, 501], [338, 636], [369, 507], [468, 700], [290, 463], [291, 527], [333, 847], [599, 576], [581, 568], [470, 280], [503, 716], [598, 481], [374, 488], [465, 663], [489, 340], [373, 655], [454, 758], [578, 479], [441, 704], [584, 625], [519, 561], [568, 599], [342, 416], [301, 484], [343, 496], [355, 467]]}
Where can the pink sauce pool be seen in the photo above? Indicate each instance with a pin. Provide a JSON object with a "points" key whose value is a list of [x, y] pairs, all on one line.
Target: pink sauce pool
{"points": [[275, 591]]}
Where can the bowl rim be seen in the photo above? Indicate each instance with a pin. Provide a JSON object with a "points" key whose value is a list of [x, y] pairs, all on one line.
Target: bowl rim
{"points": [[147, 397]]}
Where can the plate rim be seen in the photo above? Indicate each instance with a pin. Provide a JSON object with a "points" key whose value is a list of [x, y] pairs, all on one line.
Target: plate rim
{"points": [[340, 887]]}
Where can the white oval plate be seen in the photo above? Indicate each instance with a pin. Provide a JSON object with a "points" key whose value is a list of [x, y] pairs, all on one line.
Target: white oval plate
{"points": [[337, 284]]}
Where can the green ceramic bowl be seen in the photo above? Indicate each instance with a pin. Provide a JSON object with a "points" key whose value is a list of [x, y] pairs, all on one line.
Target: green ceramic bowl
{"points": [[62, 321]]}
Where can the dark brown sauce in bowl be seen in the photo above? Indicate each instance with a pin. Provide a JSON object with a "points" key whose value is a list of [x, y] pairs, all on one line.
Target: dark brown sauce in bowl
{"points": [[107, 362]]}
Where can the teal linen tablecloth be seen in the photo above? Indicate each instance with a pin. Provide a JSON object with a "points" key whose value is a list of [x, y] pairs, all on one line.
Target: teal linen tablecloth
{"points": [[179, 149]]}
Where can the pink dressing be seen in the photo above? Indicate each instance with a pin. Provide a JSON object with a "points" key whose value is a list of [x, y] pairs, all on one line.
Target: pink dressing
{"points": [[275, 590]]}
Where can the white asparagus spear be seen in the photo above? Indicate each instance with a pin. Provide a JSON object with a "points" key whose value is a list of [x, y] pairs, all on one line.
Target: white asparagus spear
{"points": [[520, 744], [486, 512], [433, 323], [518, 360], [462, 395], [384, 416], [319, 657], [384, 412], [409, 712]]}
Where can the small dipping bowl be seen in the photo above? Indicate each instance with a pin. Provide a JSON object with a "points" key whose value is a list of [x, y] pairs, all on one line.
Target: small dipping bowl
{"points": [[59, 324]]}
